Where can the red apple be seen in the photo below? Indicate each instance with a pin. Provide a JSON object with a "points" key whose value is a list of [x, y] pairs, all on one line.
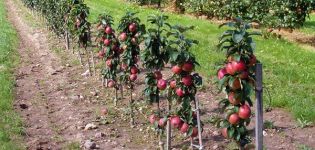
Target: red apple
{"points": [[101, 54], [104, 111], [162, 122], [132, 27], [244, 112], [162, 84], [184, 128], [187, 80], [238, 66], [234, 100], [234, 119], [179, 92], [188, 67], [153, 118], [229, 69], [133, 77], [115, 47], [123, 37], [124, 66], [224, 133], [176, 121], [111, 83], [107, 42], [120, 50], [109, 63], [108, 30], [221, 73], [252, 60], [157, 75], [176, 69], [134, 70], [236, 84], [243, 75], [173, 84], [194, 132]]}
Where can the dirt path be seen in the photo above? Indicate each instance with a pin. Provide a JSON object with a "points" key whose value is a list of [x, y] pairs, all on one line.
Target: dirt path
{"points": [[41, 86]]}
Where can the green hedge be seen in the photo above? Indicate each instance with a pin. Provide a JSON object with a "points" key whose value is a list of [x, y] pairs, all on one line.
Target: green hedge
{"points": [[270, 13], [54, 11]]}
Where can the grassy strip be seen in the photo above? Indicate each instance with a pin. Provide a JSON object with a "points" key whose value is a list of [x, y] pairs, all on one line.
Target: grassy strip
{"points": [[10, 123], [288, 69], [309, 26]]}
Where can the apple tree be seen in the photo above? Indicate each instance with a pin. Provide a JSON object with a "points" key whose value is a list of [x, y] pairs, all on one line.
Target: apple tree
{"points": [[237, 78], [130, 32], [184, 82]]}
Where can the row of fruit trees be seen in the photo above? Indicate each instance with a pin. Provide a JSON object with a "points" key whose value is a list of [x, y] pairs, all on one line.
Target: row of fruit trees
{"points": [[163, 45]]}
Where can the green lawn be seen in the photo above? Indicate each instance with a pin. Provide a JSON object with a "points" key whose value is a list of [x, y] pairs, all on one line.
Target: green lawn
{"points": [[10, 123], [289, 69], [309, 26]]}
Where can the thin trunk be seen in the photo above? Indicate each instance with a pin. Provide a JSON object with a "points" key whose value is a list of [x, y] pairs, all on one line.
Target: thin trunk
{"points": [[131, 107], [80, 55], [88, 61], [116, 95], [161, 143], [67, 40], [93, 63], [103, 81], [106, 82], [121, 90]]}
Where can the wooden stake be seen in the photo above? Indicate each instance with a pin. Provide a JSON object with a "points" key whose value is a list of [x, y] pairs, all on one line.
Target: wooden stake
{"points": [[259, 108], [199, 123], [168, 129]]}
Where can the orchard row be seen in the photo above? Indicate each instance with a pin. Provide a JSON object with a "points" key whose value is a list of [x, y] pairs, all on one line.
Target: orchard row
{"points": [[164, 44]]}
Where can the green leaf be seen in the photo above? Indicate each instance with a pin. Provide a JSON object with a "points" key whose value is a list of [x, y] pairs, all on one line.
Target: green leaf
{"points": [[231, 131], [237, 37]]}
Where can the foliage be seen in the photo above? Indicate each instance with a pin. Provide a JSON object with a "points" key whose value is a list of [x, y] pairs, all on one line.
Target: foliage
{"points": [[237, 78], [78, 24], [182, 94], [271, 13], [155, 55], [109, 52], [130, 45], [54, 11]]}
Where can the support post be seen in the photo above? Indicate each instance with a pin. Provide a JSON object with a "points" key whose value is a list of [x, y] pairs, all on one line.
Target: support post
{"points": [[168, 129], [199, 123], [259, 108]]}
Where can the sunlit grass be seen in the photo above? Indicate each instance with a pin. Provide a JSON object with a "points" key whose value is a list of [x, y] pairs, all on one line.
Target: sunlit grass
{"points": [[309, 26], [10, 124]]}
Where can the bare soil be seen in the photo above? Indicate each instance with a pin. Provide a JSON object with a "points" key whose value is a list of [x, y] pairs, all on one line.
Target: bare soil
{"points": [[56, 102]]}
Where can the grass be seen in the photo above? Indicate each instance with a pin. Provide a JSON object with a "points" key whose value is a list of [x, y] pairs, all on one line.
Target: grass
{"points": [[309, 26], [10, 123], [288, 68]]}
